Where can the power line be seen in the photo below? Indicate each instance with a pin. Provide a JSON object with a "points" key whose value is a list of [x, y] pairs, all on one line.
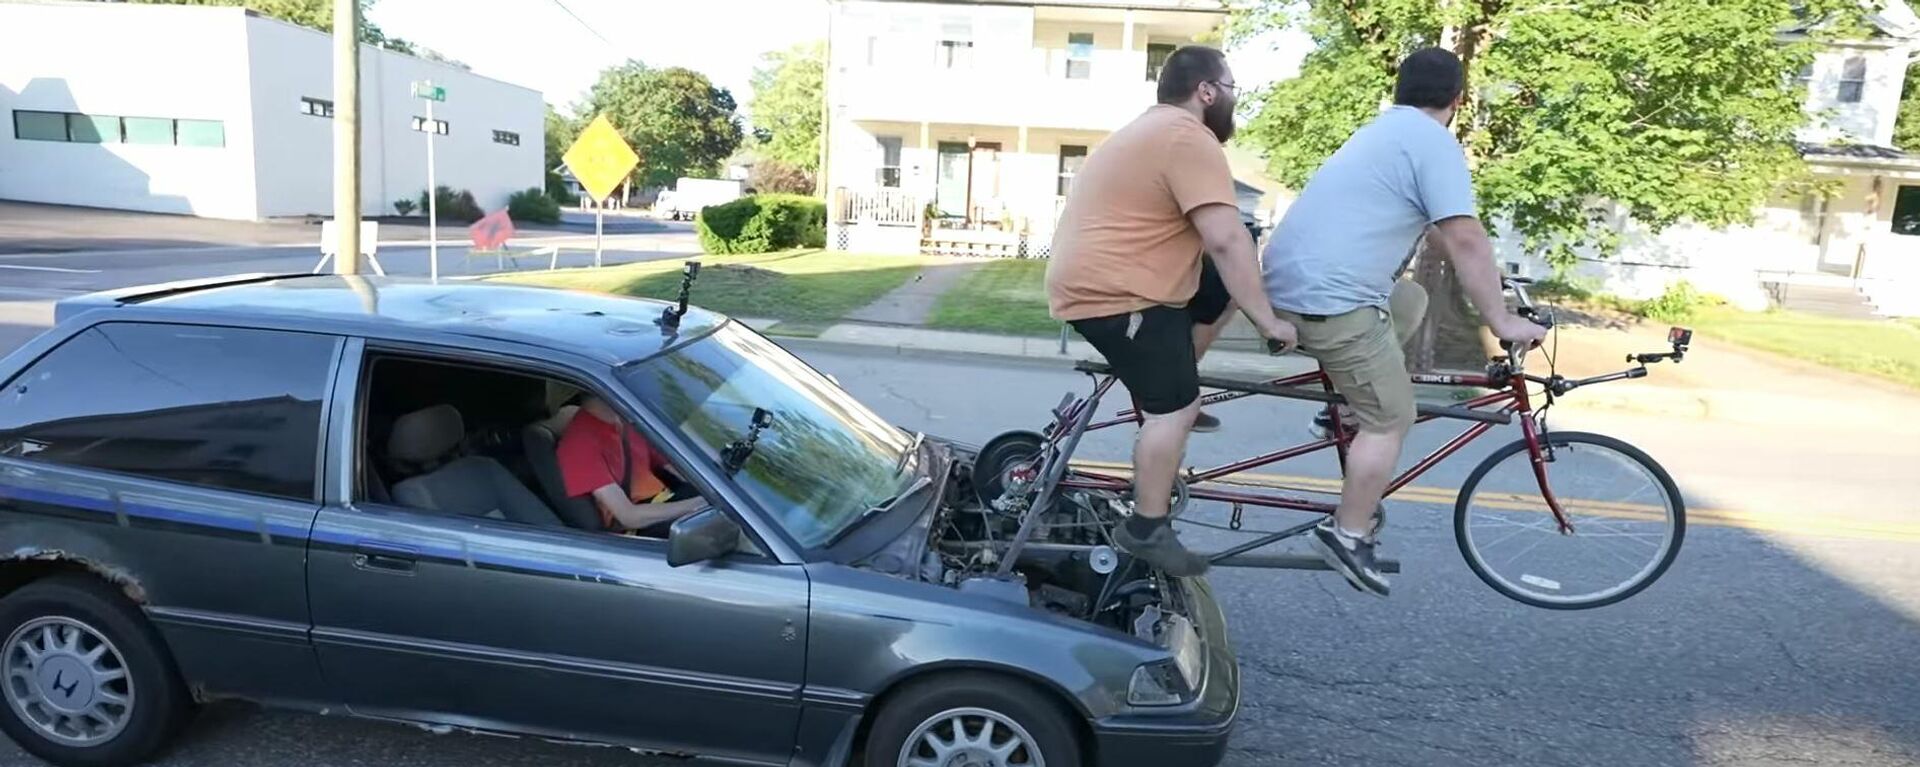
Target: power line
{"points": [[584, 24]]}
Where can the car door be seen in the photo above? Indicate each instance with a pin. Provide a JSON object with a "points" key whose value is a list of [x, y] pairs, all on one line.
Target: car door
{"points": [[554, 631], [185, 460]]}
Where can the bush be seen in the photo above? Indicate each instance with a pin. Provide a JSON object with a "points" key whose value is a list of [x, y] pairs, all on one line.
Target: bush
{"points": [[558, 190], [453, 206], [772, 177], [763, 223], [533, 205], [403, 207], [1678, 304]]}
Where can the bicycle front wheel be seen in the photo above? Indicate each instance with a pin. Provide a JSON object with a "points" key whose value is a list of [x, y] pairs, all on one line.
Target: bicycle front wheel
{"points": [[1627, 518]]}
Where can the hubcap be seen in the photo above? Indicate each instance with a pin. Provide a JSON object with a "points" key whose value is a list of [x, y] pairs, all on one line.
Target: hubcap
{"points": [[970, 737], [68, 681]]}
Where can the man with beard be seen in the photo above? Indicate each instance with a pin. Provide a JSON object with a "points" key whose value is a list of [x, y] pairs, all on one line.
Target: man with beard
{"points": [[1331, 267], [1128, 273]]}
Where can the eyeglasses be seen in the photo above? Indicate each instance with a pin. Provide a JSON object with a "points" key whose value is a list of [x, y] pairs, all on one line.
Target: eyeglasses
{"points": [[1231, 88]]}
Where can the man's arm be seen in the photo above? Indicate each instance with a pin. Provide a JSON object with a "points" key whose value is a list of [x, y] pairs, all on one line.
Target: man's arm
{"points": [[636, 516], [1464, 240], [1227, 240]]}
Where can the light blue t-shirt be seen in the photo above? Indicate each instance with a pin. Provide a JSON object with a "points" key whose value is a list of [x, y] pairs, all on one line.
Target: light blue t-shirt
{"points": [[1342, 242]]}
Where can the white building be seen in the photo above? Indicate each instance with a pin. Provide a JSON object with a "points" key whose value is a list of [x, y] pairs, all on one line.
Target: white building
{"points": [[1864, 238], [222, 112], [958, 126]]}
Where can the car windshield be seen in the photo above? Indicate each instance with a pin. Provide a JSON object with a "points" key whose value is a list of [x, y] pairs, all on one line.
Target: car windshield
{"points": [[825, 459]]}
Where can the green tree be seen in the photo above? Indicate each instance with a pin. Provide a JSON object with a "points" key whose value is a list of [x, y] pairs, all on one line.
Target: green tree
{"points": [[788, 94], [315, 14], [561, 131], [1906, 129], [674, 118], [1662, 110]]}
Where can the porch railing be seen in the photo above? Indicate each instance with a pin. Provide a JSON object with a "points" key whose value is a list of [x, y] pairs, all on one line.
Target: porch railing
{"points": [[882, 206]]}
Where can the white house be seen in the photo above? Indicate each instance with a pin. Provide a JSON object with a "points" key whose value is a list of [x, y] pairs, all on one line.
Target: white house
{"points": [[225, 113], [957, 126], [1865, 237]]}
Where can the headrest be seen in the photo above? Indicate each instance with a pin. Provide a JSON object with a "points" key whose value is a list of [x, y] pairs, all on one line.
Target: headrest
{"points": [[423, 436]]}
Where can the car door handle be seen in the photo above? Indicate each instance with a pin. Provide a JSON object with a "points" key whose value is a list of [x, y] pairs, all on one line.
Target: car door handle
{"points": [[385, 559]]}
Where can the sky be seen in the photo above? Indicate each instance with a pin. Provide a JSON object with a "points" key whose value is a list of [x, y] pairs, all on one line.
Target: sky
{"points": [[539, 44]]}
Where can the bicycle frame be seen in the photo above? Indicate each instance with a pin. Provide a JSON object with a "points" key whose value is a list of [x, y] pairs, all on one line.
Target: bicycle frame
{"points": [[1512, 399]]}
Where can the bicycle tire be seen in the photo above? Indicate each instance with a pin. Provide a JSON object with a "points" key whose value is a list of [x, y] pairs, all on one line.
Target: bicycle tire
{"points": [[1558, 440]]}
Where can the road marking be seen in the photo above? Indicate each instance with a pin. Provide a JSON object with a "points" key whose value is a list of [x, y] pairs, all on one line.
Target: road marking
{"points": [[1804, 524], [60, 269]]}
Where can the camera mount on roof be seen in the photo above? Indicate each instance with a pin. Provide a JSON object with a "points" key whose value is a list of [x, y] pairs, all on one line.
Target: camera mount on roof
{"points": [[670, 319]]}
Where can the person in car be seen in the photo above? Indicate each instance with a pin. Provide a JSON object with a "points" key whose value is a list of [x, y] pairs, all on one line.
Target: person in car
{"points": [[635, 488]]}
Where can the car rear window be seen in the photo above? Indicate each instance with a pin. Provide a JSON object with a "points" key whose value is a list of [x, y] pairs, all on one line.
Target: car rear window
{"points": [[227, 408]]}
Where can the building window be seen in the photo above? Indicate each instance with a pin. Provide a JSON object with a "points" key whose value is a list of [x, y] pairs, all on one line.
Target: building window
{"points": [[420, 124], [1906, 211], [1813, 216], [889, 171], [1071, 158], [1853, 80], [100, 129], [156, 131], [316, 107], [1079, 55], [502, 137], [1157, 55]]}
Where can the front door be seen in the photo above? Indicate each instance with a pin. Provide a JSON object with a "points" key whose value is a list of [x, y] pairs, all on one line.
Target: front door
{"points": [[567, 633], [983, 205], [951, 179]]}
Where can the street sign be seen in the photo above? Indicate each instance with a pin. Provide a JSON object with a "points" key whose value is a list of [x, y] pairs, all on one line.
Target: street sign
{"points": [[600, 159], [491, 231], [426, 90]]}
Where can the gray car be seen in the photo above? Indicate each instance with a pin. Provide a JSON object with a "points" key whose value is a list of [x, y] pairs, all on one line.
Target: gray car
{"points": [[341, 494]]}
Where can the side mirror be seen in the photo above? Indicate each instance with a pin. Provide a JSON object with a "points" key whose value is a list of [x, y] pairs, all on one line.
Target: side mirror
{"points": [[703, 535]]}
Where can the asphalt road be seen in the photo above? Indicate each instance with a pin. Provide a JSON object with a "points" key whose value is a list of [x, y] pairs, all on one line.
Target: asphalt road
{"points": [[1759, 647]]}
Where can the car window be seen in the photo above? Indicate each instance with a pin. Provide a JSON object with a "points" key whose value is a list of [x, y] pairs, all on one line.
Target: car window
{"points": [[228, 408], [825, 459]]}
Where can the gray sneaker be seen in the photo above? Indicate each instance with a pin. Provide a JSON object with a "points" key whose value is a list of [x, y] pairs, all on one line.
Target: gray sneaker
{"points": [[1350, 556], [1161, 550], [1204, 423]]}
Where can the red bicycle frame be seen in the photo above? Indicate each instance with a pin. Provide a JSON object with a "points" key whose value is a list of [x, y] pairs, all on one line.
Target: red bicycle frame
{"points": [[1511, 399]]}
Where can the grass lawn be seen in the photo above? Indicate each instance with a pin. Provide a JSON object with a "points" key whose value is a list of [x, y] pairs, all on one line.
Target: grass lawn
{"points": [[1889, 350], [1001, 296], [804, 287]]}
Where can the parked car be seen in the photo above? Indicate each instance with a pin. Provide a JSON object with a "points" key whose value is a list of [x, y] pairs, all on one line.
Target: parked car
{"points": [[340, 494]]}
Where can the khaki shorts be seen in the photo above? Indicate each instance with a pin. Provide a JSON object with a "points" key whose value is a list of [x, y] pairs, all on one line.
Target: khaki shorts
{"points": [[1361, 352]]}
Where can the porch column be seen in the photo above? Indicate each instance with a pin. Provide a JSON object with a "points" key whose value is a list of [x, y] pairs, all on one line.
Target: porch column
{"points": [[1018, 181], [930, 176], [1126, 32]]}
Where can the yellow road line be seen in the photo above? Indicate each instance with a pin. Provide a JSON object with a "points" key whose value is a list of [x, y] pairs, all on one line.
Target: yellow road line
{"points": [[1768, 522]]}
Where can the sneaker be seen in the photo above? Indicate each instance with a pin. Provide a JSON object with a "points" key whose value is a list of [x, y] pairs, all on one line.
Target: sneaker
{"points": [[1349, 556], [1204, 423], [1161, 550], [1323, 425]]}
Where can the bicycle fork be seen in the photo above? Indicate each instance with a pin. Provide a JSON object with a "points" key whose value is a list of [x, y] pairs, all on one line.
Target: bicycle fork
{"points": [[1541, 453]]}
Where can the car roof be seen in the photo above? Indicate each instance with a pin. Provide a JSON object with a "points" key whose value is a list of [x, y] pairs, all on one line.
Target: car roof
{"points": [[615, 329]]}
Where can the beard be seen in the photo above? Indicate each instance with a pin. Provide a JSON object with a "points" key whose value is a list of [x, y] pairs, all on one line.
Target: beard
{"points": [[1218, 117]]}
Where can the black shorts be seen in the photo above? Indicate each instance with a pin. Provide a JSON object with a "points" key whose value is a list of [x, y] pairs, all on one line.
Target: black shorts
{"points": [[1151, 350]]}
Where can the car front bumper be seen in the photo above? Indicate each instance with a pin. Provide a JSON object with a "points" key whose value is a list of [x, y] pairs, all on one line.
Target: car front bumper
{"points": [[1192, 735]]}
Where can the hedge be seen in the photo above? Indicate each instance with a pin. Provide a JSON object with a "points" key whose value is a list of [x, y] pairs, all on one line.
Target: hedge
{"points": [[763, 223], [452, 205], [534, 205]]}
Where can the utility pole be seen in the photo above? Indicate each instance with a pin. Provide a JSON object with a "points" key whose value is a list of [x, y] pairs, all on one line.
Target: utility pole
{"points": [[346, 135]]}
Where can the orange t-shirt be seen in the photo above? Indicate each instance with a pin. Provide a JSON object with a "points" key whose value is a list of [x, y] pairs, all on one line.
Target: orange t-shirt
{"points": [[1124, 242]]}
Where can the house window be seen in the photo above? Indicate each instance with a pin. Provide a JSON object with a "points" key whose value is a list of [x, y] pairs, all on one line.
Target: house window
{"points": [[1853, 80], [889, 171], [93, 129], [157, 131], [504, 137], [1071, 158], [420, 124], [955, 54], [316, 107], [203, 133], [1813, 216], [1079, 55], [39, 126], [1157, 55], [1906, 211]]}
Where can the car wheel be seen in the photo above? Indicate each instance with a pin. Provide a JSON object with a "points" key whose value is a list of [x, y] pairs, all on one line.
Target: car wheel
{"points": [[86, 679], [978, 720]]}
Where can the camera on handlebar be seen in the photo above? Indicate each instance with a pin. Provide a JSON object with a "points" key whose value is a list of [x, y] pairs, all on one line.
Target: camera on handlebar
{"points": [[1679, 337]]}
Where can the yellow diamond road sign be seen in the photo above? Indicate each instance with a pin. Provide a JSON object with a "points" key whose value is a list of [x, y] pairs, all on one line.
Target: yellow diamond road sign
{"points": [[600, 159]]}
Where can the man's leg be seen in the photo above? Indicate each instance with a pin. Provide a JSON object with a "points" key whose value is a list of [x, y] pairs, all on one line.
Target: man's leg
{"points": [[1211, 309], [1360, 353], [1151, 353]]}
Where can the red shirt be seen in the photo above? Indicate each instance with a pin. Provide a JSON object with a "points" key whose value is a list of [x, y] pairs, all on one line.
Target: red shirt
{"points": [[589, 457]]}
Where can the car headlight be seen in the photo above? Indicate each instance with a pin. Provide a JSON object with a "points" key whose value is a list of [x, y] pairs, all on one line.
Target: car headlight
{"points": [[1158, 684]]}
